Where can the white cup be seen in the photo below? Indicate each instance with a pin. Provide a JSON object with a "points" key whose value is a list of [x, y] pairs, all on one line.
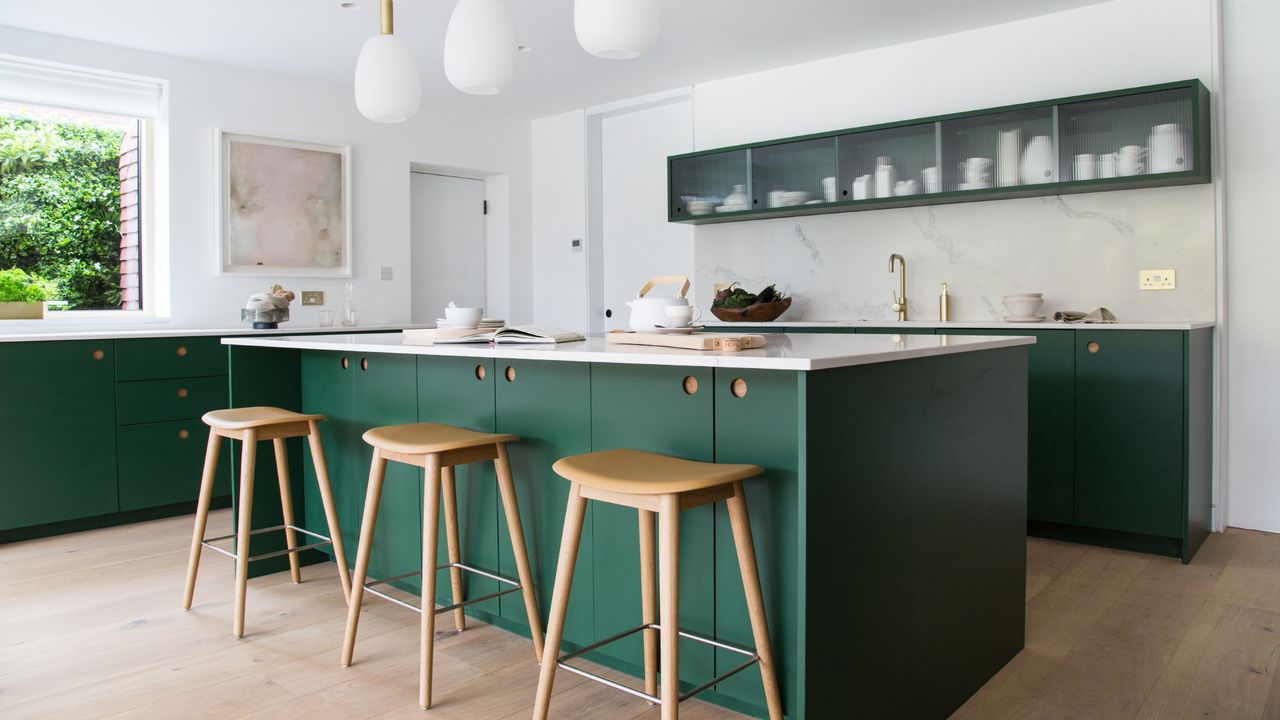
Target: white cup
{"points": [[681, 315], [460, 317], [1086, 167], [1107, 165], [829, 189], [1130, 162], [977, 169], [930, 177]]}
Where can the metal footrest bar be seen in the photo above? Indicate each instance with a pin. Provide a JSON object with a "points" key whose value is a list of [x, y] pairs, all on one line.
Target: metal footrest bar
{"points": [[514, 586], [325, 540], [752, 658]]}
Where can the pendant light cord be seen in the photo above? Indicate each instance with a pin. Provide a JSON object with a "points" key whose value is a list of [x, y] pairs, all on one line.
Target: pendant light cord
{"points": [[388, 24]]}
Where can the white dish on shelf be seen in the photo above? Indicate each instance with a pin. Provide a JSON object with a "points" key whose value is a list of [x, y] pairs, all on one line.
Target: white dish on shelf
{"points": [[730, 208], [1024, 318], [974, 185]]}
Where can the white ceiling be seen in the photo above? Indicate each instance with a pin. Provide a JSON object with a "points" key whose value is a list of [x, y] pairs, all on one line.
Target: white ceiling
{"points": [[701, 40]]}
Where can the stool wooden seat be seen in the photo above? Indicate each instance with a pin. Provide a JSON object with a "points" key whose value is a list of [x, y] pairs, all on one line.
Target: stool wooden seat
{"points": [[657, 486], [250, 425], [438, 449]]}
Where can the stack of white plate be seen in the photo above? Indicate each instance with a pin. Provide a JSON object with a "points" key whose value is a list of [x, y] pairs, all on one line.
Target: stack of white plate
{"points": [[485, 324]]}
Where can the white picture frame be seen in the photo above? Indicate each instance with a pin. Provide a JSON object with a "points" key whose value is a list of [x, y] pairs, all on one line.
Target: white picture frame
{"points": [[278, 205]]}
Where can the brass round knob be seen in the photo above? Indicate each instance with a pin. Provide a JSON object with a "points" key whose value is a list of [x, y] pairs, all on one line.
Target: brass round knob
{"points": [[511, 374], [182, 392], [345, 363], [690, 385], [183, 434], [1094, 346], [738, 388], [364, 363], [98, 354], [480, 372], [182, 351]]}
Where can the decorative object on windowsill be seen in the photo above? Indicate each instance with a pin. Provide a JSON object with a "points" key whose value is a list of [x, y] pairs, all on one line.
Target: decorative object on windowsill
{"points": [[267, 310], [1101, 315], [284, 207], [617, 29], [480, 47], [387, 86], [734, 304], [23, 296]]}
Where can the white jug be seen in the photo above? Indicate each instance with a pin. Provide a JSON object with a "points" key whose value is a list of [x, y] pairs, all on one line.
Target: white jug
{"points": [[1008, 153], [1168, 153], [1037, 161]]}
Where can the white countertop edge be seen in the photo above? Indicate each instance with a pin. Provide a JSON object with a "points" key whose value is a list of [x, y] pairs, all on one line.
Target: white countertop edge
{"points": [[975, 325], [128, 333], [631, 354]]}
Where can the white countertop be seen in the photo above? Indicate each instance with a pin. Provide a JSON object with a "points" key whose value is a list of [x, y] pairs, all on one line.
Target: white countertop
{"points": [[800, 351], [107, 332], [975, 325]]}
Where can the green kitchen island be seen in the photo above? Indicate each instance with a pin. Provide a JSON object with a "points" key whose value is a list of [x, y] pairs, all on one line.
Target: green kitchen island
{"points": [[890, 524]]}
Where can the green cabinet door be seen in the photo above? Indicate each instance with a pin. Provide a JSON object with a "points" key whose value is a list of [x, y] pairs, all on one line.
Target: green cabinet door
{"points": [[327, 389], [667, 410], [459, 391], [762, 427], [161, 463], [1129, 431], [1051, 420], [57, 418], [170, 357], [529, 393]]}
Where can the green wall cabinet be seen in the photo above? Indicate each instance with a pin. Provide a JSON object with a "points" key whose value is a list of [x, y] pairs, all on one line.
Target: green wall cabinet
{"points": [[57, 418]]}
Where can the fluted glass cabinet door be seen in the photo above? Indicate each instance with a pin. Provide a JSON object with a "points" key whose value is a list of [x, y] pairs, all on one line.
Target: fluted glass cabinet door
{"points": [[1005, 149], [793, 174], [1109, 139], [708, 184], [887, 163]]}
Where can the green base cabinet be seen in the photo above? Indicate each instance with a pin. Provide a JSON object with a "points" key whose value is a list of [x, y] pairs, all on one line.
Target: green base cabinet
{"points": [[161, 464]]}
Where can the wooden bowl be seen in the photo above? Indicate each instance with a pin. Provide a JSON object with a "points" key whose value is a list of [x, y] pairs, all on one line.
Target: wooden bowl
{"points": [[760, 312]]}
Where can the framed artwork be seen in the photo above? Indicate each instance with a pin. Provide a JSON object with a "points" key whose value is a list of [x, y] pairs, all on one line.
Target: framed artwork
{"points": [[283, 207]]}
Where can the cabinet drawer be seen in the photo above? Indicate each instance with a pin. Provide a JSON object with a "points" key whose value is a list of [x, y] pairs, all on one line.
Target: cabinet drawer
{"points": [[159, 358], [161, 463], [147, 401]]}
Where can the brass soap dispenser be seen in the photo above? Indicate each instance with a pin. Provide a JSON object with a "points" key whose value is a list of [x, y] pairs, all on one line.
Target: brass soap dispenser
{"points": [[944, 305]]}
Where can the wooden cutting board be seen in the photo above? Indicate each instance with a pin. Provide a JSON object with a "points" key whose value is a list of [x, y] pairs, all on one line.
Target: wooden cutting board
{"points": [[725, 342]]}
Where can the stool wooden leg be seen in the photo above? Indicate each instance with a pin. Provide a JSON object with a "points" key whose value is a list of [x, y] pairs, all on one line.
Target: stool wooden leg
{"points": [[330, 509], [202, 515], [286, 507], [574, 515], [741, 525], [248, 451], [450, 500], [510, 508], [430, 540], [649, 599], [372, 496], [669, 603]]}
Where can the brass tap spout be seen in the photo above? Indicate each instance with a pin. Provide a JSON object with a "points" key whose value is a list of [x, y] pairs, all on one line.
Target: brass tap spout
{"points": [[900, 298]]}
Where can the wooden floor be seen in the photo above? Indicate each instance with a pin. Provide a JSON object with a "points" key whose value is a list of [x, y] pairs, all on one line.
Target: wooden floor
{"points": [[90, 628]]}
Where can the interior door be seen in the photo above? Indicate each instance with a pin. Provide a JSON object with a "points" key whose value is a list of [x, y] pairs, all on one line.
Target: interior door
{"points": [[637, 241], [447, 235]]}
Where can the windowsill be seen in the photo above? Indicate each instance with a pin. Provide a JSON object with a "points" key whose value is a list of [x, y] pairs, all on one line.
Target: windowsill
{"points": [[87, 320]]}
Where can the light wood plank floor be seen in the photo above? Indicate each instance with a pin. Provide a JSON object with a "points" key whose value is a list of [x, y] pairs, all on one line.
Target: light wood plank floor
{"points": [[90, 628]]}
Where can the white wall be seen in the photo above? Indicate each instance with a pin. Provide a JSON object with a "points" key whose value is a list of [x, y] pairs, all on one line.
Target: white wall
{"points": [[559, 216], [204, 96], [1252, 93], [1082, 251]]}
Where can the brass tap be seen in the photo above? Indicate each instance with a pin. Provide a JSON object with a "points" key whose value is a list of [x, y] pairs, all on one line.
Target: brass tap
{"points": [[900, 303]]}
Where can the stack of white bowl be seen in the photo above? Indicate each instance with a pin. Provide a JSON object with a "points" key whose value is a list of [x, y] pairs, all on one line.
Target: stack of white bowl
{"points": [[1024, 307]]}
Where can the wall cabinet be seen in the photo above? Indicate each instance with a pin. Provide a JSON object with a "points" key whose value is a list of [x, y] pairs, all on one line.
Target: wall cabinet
{"points": [[1150, 136]]}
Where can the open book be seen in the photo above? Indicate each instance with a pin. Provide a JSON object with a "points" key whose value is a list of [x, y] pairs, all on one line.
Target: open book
{"points": [[540, 334]]}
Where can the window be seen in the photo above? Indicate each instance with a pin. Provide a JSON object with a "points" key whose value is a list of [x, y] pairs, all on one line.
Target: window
{"points": [[76, 162]]}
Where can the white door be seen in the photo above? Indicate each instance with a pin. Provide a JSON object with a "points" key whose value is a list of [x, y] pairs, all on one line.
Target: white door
{"points": [[446, 228], [637, 241]]}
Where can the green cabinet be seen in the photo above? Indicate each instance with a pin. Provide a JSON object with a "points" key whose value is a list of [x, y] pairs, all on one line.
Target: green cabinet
{"points": [[529, 392], [170, 357], [894, 331], [57, 418], [145, 401], [161, 464], [1129, 431], [668, 410]]}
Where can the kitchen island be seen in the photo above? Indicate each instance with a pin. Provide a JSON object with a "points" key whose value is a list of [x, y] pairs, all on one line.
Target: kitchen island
{"points": [[889, 525]]}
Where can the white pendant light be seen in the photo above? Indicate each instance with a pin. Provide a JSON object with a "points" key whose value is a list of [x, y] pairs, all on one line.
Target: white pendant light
{"points": [[616, 29], [480, 47], [388, 89]]}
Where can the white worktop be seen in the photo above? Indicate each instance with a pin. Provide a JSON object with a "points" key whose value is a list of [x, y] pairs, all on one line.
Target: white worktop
{"points": [[799, 351], [975, 325], [107, 332]]}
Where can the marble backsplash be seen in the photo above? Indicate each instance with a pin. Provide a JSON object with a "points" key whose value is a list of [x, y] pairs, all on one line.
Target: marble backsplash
{"points": [[1081, 251]]}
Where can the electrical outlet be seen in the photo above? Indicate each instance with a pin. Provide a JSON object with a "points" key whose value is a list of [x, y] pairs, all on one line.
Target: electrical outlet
{"points": [[1157, 279], [312, 297], [385, 273]]}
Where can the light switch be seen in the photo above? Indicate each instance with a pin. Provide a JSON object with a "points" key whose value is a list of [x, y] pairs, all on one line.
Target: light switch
{"points": [[1166, 279], [312, 297], [385, 273]]}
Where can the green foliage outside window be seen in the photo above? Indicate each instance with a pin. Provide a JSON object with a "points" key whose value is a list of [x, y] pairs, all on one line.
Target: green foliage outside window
{"points": [[17, 286], [60, 207]]}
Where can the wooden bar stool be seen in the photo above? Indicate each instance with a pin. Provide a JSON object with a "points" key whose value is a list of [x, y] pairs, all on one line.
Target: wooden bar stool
{"points": [[438, 449], [251, 425], [664, 485]]}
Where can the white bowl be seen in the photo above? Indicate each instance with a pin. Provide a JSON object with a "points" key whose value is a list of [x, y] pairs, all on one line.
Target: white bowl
{"points": [[459, 317], [1023, 306], [1024, 295]]}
